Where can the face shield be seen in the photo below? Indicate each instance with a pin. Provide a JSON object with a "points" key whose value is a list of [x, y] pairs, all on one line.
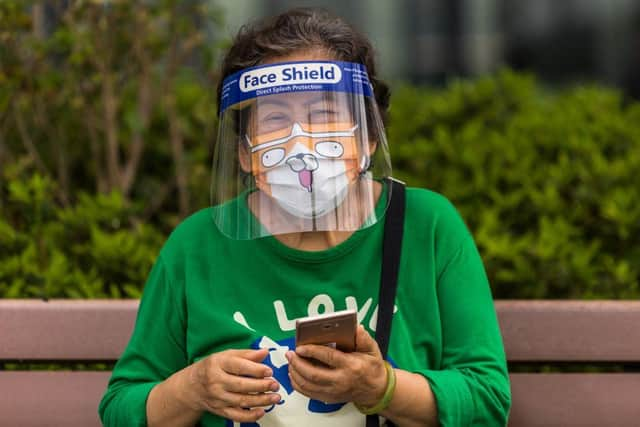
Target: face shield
{"points": [[301, 147]]}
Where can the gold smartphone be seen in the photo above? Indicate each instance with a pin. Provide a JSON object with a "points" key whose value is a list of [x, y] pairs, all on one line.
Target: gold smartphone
{"points": [[336, 330]]}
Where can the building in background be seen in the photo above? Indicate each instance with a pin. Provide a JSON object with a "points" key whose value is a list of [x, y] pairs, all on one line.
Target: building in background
{"points": [[428, 41]]}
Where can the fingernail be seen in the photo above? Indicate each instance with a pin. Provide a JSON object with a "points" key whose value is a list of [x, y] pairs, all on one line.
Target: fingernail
{"points": [[274, 387], [302, 351], [275, 398], [268, 373], [289, 355]]}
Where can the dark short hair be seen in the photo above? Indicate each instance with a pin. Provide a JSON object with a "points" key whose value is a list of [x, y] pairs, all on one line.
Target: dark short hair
{"points": [[298, 30]]}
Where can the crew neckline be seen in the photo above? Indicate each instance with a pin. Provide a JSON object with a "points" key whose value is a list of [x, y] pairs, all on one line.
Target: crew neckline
{"points": [[313, 257]]}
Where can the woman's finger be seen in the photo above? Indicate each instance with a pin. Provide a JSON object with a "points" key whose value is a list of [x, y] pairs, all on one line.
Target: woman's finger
{"points": [[244, 367], [365, 342], [255, 355], [237, 384], [327, 355], [310, 372], [244, 400], [307, 388], [240, 415]]}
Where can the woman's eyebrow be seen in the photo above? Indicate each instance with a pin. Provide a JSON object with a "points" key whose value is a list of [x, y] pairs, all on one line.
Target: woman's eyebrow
{"points": [[325, 97], [277, 102]]}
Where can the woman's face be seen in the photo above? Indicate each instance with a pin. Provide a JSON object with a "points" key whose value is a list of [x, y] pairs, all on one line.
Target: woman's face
{"points": [[280, 124], [321, 122], [305, 149]]}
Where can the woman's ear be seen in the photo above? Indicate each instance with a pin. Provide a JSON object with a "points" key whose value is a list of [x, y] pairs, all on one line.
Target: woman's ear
{"points": [[244, 157], [365, 161], [373, 145]]}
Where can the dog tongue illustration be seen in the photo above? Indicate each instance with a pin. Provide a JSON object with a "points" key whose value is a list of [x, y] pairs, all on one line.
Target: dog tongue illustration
{"points": [[306, 179]]}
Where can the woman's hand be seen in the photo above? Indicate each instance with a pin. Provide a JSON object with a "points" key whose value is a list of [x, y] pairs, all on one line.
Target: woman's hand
{"points": [[358, 377], [233, 384]]}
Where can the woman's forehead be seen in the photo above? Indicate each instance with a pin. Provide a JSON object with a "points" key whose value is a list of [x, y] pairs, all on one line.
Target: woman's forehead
{"points": [[302, 99]]}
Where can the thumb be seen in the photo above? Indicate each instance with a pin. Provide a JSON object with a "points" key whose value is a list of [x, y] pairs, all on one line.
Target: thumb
{"points": [[254, 355], [365, 343]]}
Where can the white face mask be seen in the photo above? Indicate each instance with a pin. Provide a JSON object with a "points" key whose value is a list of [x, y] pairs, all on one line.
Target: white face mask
{"points": [[307, 185]]}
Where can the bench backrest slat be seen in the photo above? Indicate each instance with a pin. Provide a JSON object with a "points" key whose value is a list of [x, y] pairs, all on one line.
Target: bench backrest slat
{"points": [[573, 399], [570, 331], [65, 330], [554, 331]]}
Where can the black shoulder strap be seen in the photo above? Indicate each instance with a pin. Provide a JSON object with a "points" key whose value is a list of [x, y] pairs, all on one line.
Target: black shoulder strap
{"points": [[391, 249]]}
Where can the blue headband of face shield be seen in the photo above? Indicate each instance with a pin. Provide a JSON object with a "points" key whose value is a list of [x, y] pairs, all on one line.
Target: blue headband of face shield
{"points": [[286, 77]]}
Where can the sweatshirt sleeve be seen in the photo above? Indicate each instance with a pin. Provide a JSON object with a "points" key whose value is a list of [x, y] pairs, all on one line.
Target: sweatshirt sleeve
{"points": [[155, 351], [472, 385]]}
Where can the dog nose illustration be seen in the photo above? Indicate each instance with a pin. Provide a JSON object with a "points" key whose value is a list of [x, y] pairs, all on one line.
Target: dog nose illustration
{"points": [[304, 164], [303, 161]]}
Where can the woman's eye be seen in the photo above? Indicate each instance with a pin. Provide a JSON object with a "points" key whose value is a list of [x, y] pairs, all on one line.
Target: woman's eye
{"points": [[272, 157], [274, 118], [321, 115], [330, 149]]}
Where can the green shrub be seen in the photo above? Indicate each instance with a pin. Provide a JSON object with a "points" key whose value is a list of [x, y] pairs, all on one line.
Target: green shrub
{"points": [[548, 183], [94, 249], [106, 119]]}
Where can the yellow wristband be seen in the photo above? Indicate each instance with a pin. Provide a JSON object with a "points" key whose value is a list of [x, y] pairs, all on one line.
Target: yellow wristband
{"points": [[388, 393]]}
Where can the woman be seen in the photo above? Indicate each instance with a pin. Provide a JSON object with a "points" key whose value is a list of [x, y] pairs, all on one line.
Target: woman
{"points": [[296, 230]]}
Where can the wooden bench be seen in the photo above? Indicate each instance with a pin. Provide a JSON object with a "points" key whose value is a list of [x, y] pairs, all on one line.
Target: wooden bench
{"points": [[535, 332]]}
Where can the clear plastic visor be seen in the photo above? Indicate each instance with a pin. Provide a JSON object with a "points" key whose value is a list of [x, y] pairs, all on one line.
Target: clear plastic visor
{"points": [[299, 162]]}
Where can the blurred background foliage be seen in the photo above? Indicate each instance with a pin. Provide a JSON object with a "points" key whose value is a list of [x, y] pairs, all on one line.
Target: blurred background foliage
{"points": [[547, 182], [106, 124], [105, 143]]}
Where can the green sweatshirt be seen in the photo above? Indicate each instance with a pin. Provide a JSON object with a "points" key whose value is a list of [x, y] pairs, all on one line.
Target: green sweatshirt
{"points": [[208, 293]]}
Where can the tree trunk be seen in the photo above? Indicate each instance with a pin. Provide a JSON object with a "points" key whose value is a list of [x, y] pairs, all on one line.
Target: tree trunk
{"points": [[144, 103], [28, 143], [3, 159], [111, 130], [175, 134], [63, 168], [39, 20], [177, 149], [102, 184]]}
